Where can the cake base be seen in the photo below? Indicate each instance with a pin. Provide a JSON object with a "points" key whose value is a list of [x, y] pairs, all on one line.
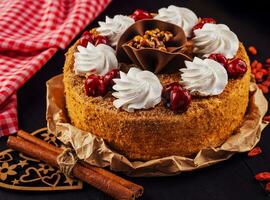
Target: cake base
{"points": [[158, 132]]}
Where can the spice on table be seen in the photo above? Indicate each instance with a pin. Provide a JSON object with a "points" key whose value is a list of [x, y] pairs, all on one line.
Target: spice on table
{"points": [[259, 66], [261, 71], [254, 152], [263, 176], [267, 187], [254, 63], [264, 88], [252, 50]]}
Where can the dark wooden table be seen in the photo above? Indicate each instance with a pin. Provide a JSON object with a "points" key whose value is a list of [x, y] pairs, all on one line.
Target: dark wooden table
{"points": [[232, 179]]}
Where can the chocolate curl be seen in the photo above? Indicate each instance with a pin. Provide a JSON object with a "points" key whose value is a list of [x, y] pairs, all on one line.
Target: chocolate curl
{"points": [[151, 59]]}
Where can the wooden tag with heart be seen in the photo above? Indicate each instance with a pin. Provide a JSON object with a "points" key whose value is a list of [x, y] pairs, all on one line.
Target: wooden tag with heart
{"points": [[20, 172]]}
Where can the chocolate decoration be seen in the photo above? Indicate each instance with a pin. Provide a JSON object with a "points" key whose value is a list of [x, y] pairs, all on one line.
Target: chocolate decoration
{"points": [[152, 59]]}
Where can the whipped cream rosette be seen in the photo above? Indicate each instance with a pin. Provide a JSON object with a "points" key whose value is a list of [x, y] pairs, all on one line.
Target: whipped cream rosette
{"points": [[204, 77], [137, 90], [98, 59], [215, 38], [114, 27], [180, 16]]}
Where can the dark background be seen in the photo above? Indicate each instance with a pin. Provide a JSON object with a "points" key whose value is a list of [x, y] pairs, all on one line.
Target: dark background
{"points": [[232, 179]]}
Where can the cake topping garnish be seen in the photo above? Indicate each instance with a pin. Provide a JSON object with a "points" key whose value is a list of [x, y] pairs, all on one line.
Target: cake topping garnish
{"points": [[98, 85], [93, 38], [98, 59], [180, 16], [236, 68], [149, 58], [215, 38], [204, 77], [201, 23], [137, 90], [94, 86], [86, 37], [108, 78], [100, 39], [114, 27], [140, 14], [156, 39], [219, 58], [176, 98]]}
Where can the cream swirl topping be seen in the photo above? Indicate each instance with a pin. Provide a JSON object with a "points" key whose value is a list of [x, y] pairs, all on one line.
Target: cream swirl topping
{"points": [[215, 38], [180, 16], [204, 77], [114, 27], [137, 90], [98, 59]]}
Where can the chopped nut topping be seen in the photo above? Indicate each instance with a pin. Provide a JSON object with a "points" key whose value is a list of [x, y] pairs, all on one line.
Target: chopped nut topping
{"points": [[152, 39]]}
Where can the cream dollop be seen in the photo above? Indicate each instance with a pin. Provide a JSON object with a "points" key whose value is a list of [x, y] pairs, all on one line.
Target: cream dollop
{"points": [[137, 90], [204, 77], [98, 59], [215, 38], [180, 16], [114, 27]]}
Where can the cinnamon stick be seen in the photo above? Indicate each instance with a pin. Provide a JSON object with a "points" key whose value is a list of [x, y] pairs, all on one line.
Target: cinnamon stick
{"points": [[137, 189], [35, 140], [32, 150], [97, 180]]}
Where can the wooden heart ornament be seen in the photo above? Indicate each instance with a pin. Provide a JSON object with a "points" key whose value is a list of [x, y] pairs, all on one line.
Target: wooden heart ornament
{"points": [[152, 59], [20, 172]]}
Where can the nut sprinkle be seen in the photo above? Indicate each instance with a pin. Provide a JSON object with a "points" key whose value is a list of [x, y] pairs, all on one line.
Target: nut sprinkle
{"points": [[152, 39]]}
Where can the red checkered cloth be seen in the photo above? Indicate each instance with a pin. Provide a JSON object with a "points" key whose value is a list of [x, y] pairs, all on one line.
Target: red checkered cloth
{"points": [[31, 31]]}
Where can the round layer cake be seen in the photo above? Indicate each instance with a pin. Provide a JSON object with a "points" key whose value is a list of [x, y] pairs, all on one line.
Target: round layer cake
{"points": [[158, 132]]}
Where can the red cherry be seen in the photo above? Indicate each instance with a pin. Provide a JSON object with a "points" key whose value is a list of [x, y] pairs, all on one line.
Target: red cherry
{"points": [[139, 14], [90, 85], [167, 90], [219, 58], [87, 33], [208, 20], [94, 86], [86, 37], [108, 78], [197, 26], [202, 22], [176, 98], [236, 68], [179, 99], [92, 38], [100, 39], [102, 89]]}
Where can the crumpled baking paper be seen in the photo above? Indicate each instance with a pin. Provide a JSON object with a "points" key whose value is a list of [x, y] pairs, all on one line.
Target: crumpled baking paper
{"points": [[94, 150]]}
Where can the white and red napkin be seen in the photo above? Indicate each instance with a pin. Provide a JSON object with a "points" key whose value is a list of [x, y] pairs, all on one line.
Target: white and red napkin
{"points": [[31, 31]]}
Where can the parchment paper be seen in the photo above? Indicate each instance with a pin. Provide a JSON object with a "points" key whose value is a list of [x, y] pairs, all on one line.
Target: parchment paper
{"points": [[94, 150]]}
